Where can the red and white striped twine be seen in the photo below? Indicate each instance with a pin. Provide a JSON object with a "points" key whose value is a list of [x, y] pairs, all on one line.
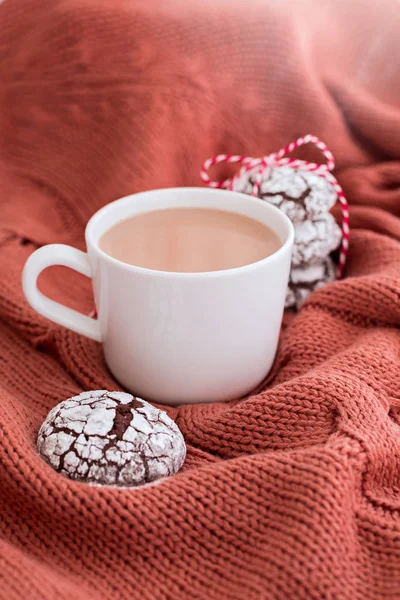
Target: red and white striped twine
{"points": [[279, 159]]}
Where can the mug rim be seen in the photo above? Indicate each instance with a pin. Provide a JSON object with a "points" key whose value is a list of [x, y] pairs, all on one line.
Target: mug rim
{"points": [[91, 243]]}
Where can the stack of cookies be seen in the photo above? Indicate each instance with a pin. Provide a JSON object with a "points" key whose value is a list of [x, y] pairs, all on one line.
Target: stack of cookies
{"points": [[306, 198]]}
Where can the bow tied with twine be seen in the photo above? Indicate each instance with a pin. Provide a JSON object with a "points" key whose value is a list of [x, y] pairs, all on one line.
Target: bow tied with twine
{"points": [[280, 159]]}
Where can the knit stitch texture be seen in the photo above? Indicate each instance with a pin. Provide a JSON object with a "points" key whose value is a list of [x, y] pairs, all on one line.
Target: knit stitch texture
{"points": [[293, 492]]}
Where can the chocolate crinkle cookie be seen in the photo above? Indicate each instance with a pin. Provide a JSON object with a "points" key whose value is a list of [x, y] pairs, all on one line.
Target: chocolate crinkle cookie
{"points": [[306, 198], [304, 281], [111, 438], [299, 193], [314, 240]]}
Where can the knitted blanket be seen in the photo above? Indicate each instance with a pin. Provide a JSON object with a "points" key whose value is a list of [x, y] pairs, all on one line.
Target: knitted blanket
{"points": [[293, 492]]}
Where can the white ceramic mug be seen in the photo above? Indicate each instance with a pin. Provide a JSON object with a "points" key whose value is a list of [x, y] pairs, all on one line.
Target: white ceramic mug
{"points": [[176, 337]]}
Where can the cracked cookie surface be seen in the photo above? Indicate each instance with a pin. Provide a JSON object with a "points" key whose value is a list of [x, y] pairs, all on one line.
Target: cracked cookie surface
{"points": [[111, 438], [299, 193]]}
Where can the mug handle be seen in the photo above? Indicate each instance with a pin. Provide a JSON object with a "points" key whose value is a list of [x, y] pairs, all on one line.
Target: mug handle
{"points": [[66, 256]]}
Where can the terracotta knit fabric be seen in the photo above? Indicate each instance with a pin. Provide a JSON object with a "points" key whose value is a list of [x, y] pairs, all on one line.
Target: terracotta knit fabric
{"points": [[294, 492]]}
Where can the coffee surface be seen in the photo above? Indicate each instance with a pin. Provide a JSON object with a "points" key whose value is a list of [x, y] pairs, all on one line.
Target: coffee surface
{"points": [[189, 240]]}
